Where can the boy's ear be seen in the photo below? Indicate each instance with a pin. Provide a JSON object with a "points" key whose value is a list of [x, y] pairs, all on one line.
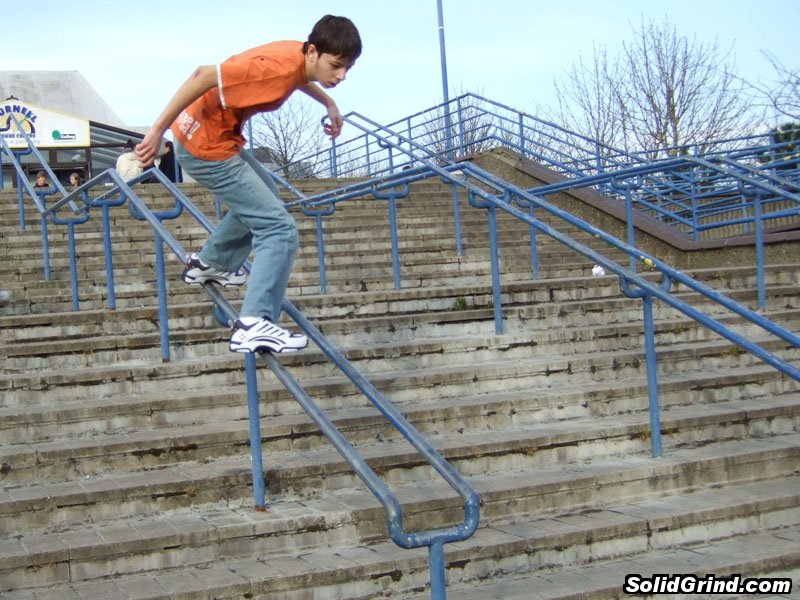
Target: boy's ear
{"points": [[311, 52]]}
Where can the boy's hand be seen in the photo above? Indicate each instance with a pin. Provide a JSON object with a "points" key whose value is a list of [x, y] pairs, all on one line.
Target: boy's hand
{"points": [[333, 127], [147, 150]]}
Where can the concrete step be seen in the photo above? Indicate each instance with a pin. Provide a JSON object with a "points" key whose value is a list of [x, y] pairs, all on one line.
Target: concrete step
{"points": [[443, 363], [475, 437], [188, 542], [724, 564], [126, 477], [567, 298]]}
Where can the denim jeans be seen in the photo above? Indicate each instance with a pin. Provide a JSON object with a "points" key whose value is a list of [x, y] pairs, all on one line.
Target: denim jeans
{"points": [[257, 219]]}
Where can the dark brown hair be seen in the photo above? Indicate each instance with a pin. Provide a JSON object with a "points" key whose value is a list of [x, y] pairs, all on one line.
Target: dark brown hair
{"points": [[337, 36]]}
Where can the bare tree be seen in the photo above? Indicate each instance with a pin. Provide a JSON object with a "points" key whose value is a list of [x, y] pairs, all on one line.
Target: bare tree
{"points": [[472, 128], [662, 95], [782, 94], [589, 102], [291, 133]]}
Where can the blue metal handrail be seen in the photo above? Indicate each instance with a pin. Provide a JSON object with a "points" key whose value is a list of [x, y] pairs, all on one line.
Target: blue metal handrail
{"points": [[423, 163], [434, 539], [482, 123], [513, 200]]}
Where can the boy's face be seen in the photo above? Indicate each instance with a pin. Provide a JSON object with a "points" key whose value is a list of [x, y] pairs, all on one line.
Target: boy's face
{"points": [[326, 69]]}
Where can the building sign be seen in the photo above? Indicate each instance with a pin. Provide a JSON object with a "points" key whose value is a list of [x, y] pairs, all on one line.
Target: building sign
{"points": [[47, 128]]}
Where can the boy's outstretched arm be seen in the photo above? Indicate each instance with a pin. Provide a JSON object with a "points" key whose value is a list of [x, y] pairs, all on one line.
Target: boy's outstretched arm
{"points": [[203, 79], [334, 128]]}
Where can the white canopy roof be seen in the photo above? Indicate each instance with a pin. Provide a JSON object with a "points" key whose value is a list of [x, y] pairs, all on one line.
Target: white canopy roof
{"points": [[65, 91]]}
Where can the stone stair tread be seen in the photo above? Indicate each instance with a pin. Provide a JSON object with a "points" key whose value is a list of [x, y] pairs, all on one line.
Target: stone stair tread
{"points": [[235, 432], [130, 370], [767, 553], [489, 542], [128, 477], [119, 407], [186, 479]]}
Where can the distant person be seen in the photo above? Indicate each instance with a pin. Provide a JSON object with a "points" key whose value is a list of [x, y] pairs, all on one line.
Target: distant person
{"points": [[41, 180], [167, 163], [207, 115], [128, 165], [74, 179]]}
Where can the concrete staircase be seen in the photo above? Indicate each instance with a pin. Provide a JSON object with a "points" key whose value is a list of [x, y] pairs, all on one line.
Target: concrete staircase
{"points": [[126, 477]]}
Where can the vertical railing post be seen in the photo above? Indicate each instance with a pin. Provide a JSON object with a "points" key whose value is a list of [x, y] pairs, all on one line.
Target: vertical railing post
{"points": [[73, 266], [437, 574], [112, 295], [534, 250], [392, 196], [368, 156], [462, 142], [626, 188], [323, 278], [334, 167], [759, 234], [395, 242], [163, 313], [46, 249], [495, 256], [21, 208], [652, 377], [259, 491], [457, 220], [695, 208], [654, 408]]}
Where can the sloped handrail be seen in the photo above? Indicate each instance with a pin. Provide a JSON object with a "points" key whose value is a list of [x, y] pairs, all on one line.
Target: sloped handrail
{"points": [[434, 539], [509, 198], [534, 197]]}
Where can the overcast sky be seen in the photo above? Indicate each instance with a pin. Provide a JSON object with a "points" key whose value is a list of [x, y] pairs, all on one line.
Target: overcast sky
{"points": [[136, 54]]}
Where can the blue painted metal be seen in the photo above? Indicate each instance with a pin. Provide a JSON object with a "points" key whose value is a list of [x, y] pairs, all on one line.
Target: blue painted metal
{"points": [[323, 273], [71, 222], [652, 377], [391, 195], [106, 203], [519, 203], [448, 149], [254, 418], [48, 274], [437, 571], [673, 197], [161, 286], [487, 178], [21, 208], [375, 484], [457, 221], [650, 358], [533, 245], [626, 189], [759, 232], [161, 276], [494, 254]]}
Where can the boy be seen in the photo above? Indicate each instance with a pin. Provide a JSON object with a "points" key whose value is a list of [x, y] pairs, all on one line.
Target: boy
{"points": [[207, 114]]}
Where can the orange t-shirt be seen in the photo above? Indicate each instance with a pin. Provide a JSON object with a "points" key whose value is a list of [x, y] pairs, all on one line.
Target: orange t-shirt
{"points": [[257, 80]]}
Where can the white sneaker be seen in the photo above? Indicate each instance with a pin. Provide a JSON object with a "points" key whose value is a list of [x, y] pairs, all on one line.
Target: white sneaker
{"points": [[197, 271], [263, 335]]}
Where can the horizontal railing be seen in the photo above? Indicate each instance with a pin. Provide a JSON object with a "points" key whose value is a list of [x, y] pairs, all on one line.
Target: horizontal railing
{"points": [[692, 200]]}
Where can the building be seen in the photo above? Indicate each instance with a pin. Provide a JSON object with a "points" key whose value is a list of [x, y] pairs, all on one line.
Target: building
{"points": [[71, 124]]}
